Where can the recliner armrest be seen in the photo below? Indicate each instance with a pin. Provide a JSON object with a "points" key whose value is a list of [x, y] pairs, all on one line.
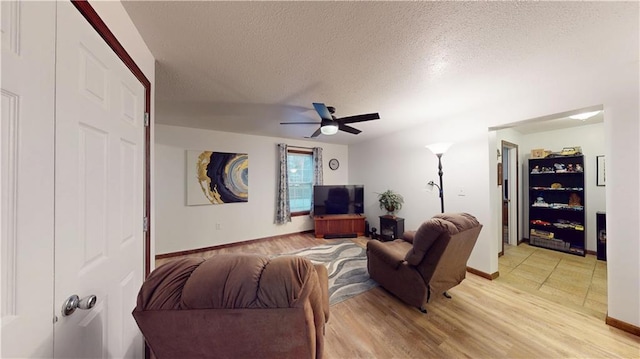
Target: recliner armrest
{"points": [[378, 250], [408, 236], [323, 278]]}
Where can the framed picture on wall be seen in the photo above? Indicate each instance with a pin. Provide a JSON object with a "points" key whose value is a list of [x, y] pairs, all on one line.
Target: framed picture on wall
{"points": [[600, 171], [217, 177]]}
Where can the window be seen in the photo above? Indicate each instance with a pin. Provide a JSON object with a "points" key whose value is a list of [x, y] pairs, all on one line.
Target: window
{"points": [[300, 166]]}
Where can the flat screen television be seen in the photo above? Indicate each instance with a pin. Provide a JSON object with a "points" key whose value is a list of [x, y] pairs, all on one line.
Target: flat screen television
{"points": [[338, 199]]}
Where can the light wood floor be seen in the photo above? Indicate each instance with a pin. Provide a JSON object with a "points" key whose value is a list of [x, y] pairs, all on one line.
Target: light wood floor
{"points": [[485, 319]]}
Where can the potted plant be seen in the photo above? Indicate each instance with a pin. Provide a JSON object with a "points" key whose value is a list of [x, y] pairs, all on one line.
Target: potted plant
{"points": [[390, 201]]}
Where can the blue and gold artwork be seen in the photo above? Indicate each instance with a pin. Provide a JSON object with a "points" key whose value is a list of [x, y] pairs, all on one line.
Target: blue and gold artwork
{"points": [[223, 177]]}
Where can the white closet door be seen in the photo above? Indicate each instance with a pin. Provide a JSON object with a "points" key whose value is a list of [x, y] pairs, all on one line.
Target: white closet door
{"points": [[98, 193], [26, 181]]}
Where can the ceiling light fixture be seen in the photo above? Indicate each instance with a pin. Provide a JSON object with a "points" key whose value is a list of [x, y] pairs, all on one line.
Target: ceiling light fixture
{"points": [[331, 129], [584, 116]]}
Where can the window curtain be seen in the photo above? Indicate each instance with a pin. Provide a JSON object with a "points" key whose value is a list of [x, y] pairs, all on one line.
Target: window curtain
{"points": [[283, 211], [317, 171]]}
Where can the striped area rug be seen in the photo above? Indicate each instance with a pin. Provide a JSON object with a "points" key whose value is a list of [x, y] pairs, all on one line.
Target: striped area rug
{"points": [[346, 264]]}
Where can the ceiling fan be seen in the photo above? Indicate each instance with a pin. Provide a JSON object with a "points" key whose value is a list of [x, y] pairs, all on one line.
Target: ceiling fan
{"points": [[330, 124]]}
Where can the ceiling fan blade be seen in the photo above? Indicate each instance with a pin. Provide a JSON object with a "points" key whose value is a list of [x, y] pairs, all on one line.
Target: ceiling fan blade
{"points": [[299, 123], [315, 134], [359, 118], [323, 111], [349, 129]]}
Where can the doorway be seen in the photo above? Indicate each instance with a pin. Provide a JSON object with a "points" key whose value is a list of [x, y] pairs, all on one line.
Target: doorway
{"points": [[509, 194], [581, 281]]}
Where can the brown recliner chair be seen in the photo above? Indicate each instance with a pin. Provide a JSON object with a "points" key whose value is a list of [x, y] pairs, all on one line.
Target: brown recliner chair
{"points": [[432, 259], [235, 306]]}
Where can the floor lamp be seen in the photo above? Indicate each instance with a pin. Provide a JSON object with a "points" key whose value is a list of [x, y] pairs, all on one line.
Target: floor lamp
{"points": [[439, 149]]}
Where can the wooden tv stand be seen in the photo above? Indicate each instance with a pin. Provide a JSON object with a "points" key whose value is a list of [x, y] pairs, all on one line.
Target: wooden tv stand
{"points": [[339, 224]]}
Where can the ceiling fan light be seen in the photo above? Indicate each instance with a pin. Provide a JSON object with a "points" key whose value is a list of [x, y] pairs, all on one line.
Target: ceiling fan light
{"points": [[584, 116], [329, 129]]}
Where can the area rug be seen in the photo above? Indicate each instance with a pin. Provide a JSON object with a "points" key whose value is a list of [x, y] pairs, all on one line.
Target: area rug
{"points": [[346, 264]]}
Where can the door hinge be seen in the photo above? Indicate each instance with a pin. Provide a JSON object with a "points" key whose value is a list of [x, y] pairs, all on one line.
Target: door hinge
{"points": [[145, 224], [146, 119]]}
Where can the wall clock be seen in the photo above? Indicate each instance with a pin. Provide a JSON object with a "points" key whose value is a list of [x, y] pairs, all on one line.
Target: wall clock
{"points": [[334, 164]]}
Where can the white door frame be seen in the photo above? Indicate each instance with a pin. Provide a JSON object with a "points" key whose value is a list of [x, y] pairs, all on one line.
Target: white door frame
{"points": [[514, 195], [511, 174]]}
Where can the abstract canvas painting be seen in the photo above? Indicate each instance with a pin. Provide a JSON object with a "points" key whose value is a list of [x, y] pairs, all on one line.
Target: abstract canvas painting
{"points": [[217, 177]]}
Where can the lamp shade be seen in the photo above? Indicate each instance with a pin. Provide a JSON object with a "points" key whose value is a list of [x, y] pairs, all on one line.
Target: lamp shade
{"points": [[439, 148], [329, 129]]}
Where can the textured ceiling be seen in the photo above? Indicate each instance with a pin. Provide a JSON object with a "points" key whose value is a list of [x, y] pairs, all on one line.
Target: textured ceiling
{"points": [[246, 66]]}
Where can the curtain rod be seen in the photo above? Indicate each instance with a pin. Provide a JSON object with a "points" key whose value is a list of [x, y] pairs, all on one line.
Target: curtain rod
{"points": [[304, 148]]}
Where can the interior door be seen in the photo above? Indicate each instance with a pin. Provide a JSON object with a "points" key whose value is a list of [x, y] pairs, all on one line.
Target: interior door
{"points": [[506, 194], [98, 194], [510, 193], [514, 193], [27, 167]]}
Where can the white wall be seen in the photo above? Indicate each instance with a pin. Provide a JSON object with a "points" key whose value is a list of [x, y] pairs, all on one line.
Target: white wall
{"points": [[591, 139], [180, 227], [399, 161]]}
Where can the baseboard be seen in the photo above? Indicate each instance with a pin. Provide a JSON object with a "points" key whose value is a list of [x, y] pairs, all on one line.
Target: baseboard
{"points": [[482, 274], [629, 328], [220, 246]]}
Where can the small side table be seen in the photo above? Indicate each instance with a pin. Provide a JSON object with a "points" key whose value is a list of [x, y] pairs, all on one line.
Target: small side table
{"points": [[391, 227]]}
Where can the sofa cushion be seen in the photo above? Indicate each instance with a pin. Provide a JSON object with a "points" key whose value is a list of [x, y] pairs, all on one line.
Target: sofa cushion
{"points": [[392, 253], [462, 221], [224, 281], [249, 281], [162, 290], [429, 232], [286, 281], [440, 226], [408, 236]]}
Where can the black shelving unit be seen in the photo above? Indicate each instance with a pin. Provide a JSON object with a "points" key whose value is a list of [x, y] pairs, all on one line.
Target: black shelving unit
{"points": [[556, 204]]}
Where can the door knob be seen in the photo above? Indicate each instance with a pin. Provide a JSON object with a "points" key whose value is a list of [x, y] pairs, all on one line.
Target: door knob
{"points": [[74, 302]]}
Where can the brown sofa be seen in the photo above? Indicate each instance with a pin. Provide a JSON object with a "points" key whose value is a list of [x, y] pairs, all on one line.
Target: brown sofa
{"points": [[432, 259], [235, 306]]}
